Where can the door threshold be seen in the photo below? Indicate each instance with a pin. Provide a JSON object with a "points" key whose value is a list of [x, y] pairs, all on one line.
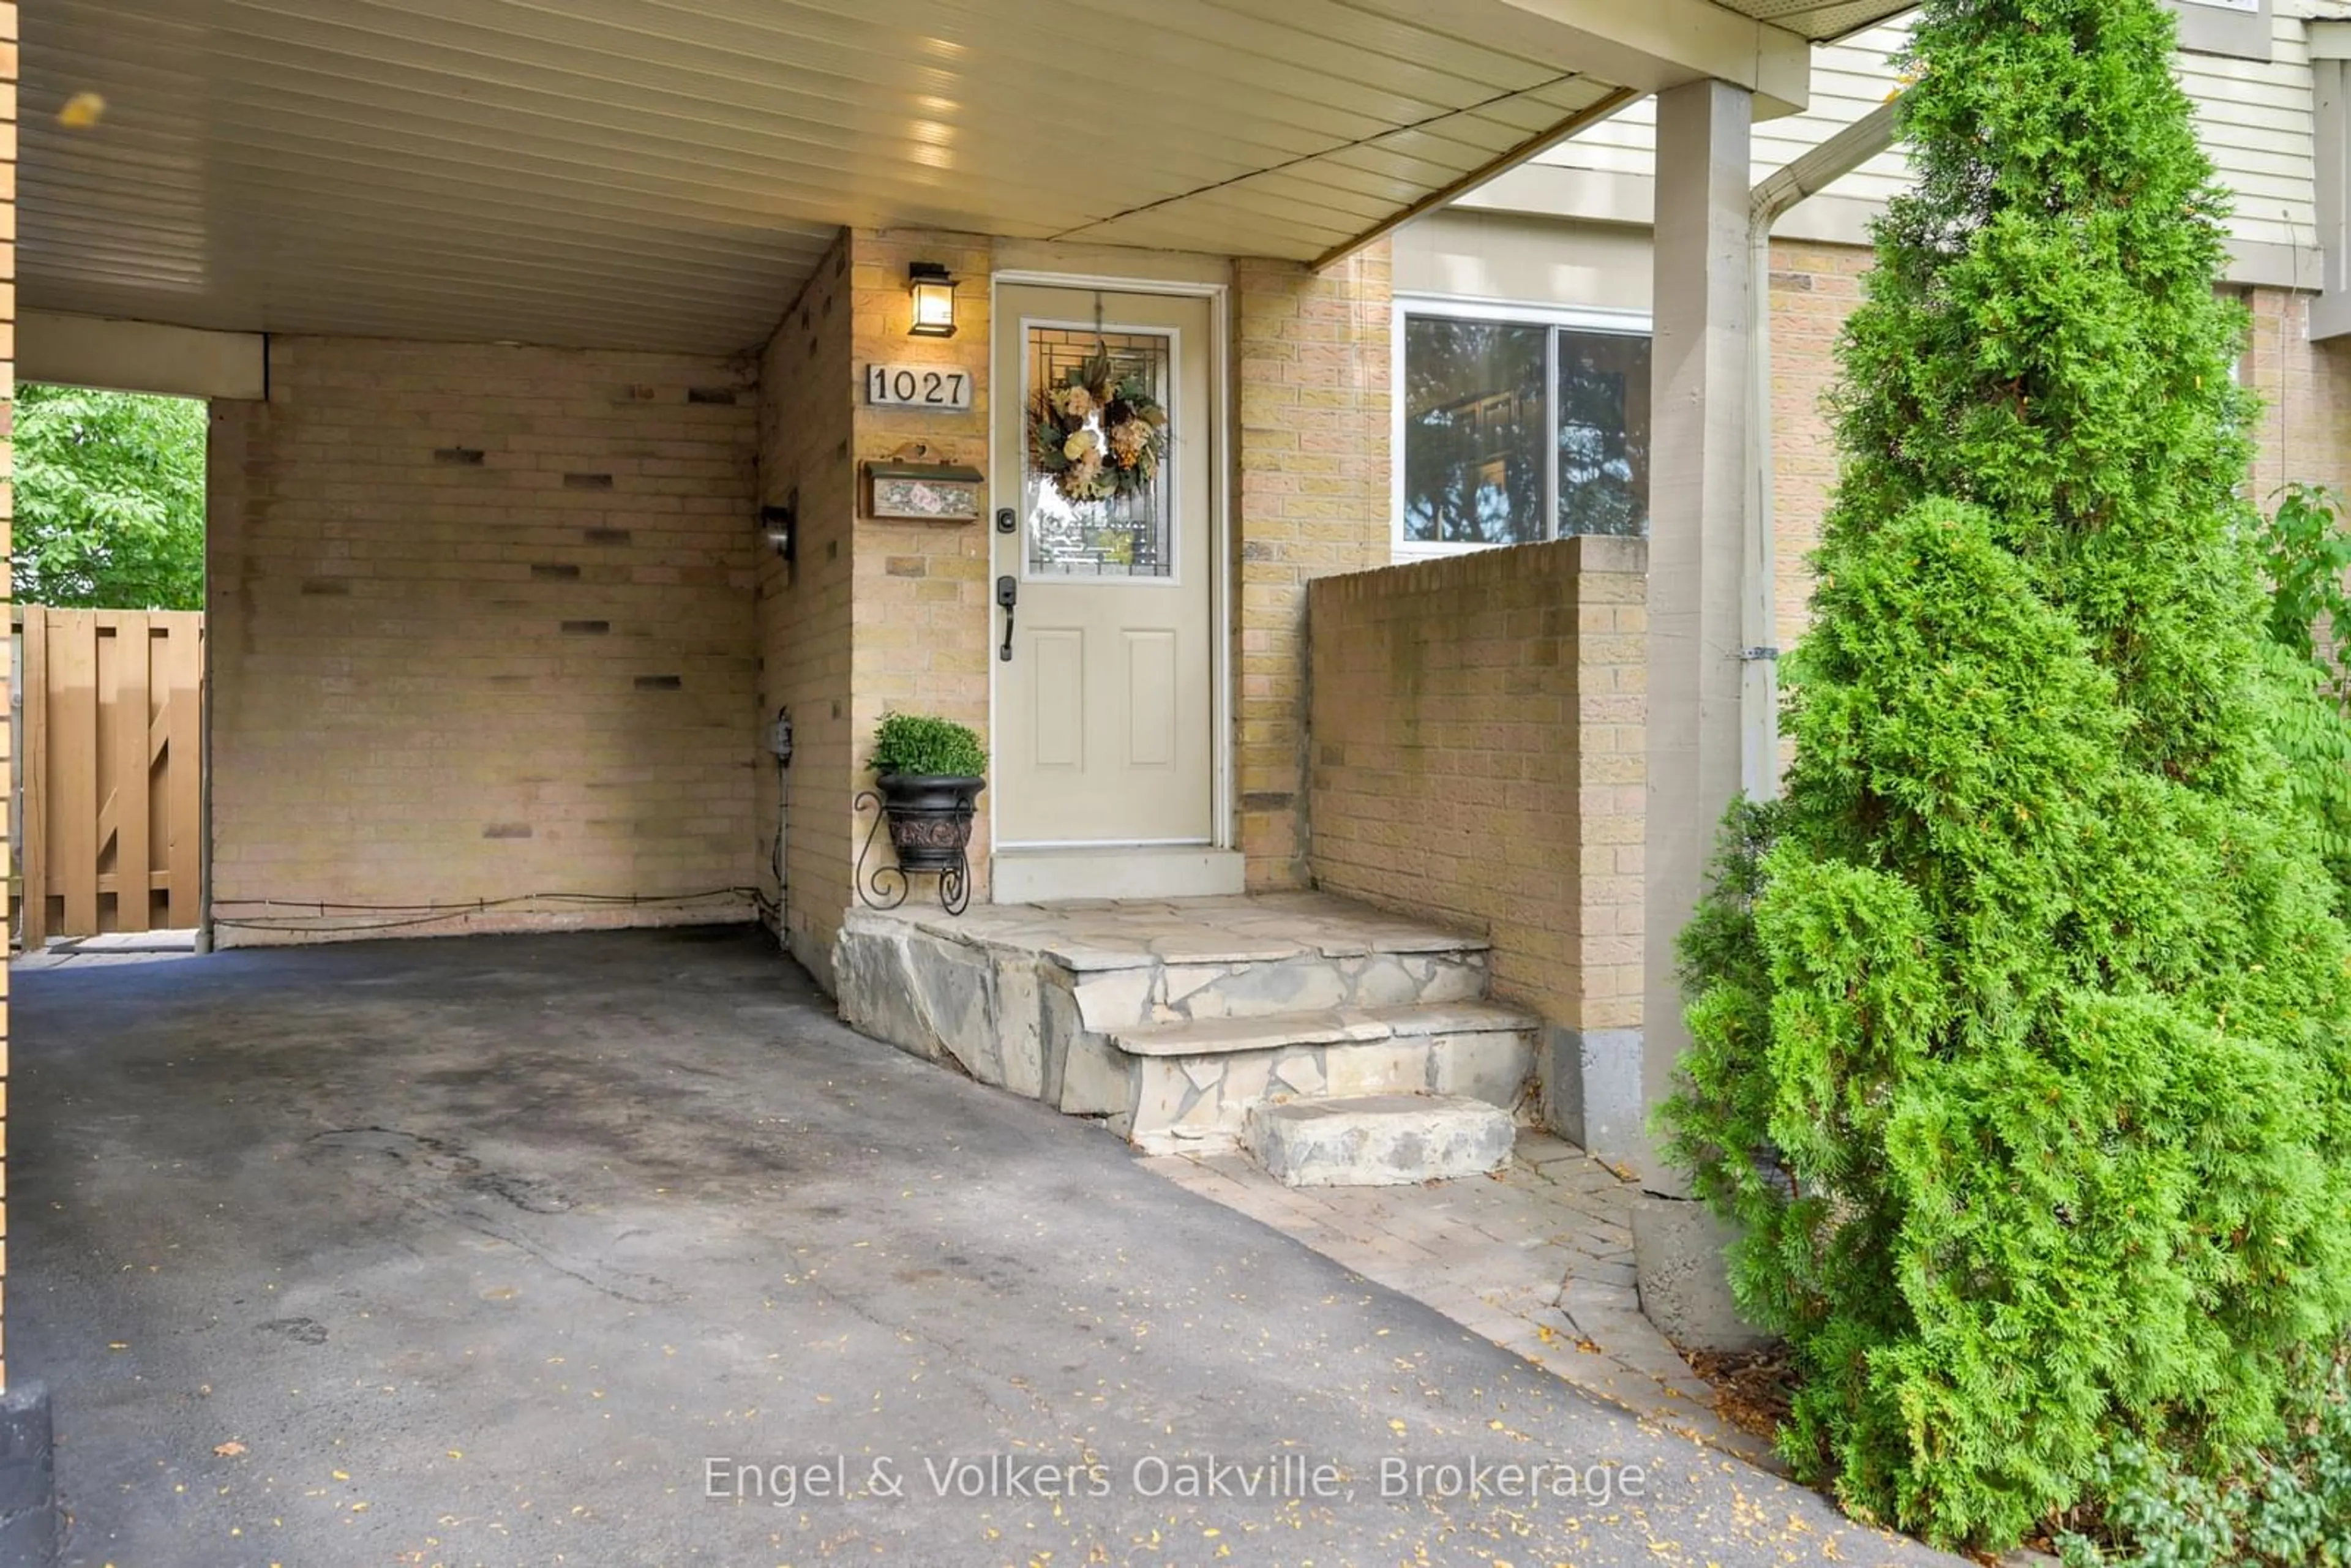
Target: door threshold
{"points": [[1115, 871]]}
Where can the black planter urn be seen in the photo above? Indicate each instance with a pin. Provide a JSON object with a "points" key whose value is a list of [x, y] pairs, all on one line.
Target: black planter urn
{"points": [[930, 818]]}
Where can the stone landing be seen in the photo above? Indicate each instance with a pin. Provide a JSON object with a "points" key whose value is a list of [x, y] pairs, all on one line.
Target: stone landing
{"points": [[1169, 1018]]}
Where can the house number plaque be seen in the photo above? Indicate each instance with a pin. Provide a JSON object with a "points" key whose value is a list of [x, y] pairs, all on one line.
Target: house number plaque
{"points": [[917, 386]]}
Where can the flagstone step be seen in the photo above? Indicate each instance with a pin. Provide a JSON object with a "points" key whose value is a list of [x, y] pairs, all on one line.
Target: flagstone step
{"points": [[1192, 981], [1191, 1084], [1327, 1026], [1168, 1018], [1378, 1140]]}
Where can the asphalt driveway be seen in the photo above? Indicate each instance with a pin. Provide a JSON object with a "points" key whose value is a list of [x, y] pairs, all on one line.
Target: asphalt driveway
{"points": [[519, 1249]]}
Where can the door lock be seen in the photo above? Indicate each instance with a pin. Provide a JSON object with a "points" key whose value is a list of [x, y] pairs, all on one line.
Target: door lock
{"points": [[1008, 594], [1006, 522]]}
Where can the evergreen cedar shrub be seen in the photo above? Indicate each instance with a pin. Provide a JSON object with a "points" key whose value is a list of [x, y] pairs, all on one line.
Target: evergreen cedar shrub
{"points": [[2020, 1022], [919, 745]]}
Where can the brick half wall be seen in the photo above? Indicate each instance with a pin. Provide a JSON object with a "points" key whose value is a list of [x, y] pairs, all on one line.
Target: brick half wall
{"points": [[1476, 735], [481, 628]]}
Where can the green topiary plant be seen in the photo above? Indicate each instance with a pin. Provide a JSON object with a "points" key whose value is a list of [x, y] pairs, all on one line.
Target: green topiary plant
{"points": [[2020, 1023], [921, 746]]}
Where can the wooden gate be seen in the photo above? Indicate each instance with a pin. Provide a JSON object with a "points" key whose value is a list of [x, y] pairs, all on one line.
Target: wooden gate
{"points": [[113, 771]]}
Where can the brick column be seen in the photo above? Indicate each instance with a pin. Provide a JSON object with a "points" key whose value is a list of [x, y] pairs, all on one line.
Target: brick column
{"points": [[923, 606], [1813, 288], [1312, 499], [27, 1474]]}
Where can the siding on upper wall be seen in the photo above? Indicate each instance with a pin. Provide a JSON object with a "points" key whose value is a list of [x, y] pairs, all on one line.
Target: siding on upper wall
{"points": [[2255, 118], [1524, 258], [2257, 122], [1849, 79]]}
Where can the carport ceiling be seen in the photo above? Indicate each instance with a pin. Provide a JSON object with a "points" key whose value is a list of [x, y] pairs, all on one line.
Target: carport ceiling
{"points": [[663, 173]]}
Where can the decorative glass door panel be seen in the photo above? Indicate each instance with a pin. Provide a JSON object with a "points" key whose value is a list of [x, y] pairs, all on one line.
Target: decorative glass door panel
{"points": [[1130, 531]]}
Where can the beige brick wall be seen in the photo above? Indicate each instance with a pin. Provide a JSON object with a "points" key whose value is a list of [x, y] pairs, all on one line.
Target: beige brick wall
{"points": [[875, 616], [923, 604], [882, 615], [806, 419], [481, 628], [1477, 759], [1813, 288], [1313, 498], [2303, 433]]}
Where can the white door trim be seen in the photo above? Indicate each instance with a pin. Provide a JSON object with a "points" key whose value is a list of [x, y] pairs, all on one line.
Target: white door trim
{"points": [[1220, 489]]}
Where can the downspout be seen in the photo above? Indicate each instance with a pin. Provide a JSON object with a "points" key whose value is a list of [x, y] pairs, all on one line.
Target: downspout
{"points": [[1759, 679]]}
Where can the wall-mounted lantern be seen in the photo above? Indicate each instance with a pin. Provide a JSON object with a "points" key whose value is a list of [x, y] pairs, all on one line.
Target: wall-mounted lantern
{"points": [[934, 295]]}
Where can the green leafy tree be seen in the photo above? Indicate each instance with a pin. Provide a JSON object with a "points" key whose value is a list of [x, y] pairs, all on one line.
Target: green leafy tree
{"points": [[2305, 554], [2019, 1022], [109, 499]]}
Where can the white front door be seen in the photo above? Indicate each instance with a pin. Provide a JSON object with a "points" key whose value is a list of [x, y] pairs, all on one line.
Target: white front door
{"points": [[1105, 759]]}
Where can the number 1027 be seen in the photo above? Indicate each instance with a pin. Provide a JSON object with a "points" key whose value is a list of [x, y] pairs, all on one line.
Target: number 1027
{"points": [[917, 386]]}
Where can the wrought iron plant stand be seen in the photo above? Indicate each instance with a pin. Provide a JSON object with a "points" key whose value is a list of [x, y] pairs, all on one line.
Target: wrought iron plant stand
{"points": [[930, 832]]}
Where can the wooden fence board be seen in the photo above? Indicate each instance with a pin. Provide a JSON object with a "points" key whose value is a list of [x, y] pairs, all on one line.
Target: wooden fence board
{"points": [[76, 799], [111, 770], [32, 912], [181, 723], [133, 776]]}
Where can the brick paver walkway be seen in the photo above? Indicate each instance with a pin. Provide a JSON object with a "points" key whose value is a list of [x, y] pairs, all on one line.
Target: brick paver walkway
{"points": [[1537, 1257]]}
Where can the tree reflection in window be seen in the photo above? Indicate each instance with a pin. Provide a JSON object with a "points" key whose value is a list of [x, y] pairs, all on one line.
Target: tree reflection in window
{"points": [[1473, 444], [1481, 429], [1604, 433]]}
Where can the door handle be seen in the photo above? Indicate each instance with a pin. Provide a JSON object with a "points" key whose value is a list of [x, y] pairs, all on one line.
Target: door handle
{"points": [[1008, 594]]}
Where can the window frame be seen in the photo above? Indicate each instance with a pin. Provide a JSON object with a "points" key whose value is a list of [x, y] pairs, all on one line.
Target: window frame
{"points": [[2238, 31], [1506, 312], [2330, 69]]}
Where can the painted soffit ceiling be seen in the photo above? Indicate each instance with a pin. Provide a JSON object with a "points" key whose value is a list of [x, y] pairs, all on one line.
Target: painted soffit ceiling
{"points": [[665, 173]]}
